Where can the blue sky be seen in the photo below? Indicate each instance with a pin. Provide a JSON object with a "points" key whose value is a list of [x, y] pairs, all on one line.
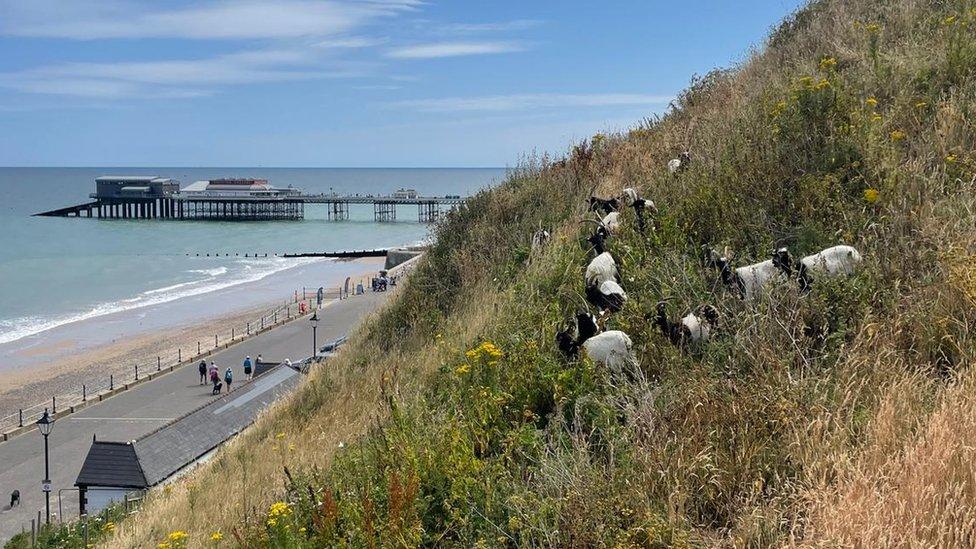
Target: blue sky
{"points": [[346, 82]]}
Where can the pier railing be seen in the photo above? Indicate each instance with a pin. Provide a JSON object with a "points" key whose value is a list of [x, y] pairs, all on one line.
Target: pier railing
{"points": [[122, 376]]}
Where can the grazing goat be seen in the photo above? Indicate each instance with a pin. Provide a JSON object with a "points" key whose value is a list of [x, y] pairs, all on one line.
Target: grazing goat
{"points": [[608, 296], [599, 240], [540, 239], [691, 329], [606, 205], [680, 164], [639, 204], [611, 222], [612, 348], [839, 260], [601, 269], [747, 281]]}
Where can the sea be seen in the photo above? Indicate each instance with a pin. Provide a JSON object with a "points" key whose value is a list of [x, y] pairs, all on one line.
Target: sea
{"points": [[58, 271]]}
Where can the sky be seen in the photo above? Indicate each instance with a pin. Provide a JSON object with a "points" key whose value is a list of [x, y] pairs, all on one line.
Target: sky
{"points": [[347, 83]]}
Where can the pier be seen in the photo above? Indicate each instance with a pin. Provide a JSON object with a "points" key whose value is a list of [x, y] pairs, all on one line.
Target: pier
{"points": [[137, 197]]}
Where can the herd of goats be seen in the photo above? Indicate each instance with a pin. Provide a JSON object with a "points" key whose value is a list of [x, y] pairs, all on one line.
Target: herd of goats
{"points": [[603, 290]]}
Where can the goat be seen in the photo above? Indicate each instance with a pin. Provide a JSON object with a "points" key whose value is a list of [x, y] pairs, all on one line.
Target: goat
{"points": [[599, 240], [639, 204], [607, 296], [606, 205], [680, 164], [841, 260], [747, 281], [540, 239], [611, 222], [691, 329], [612, 348], [601, 269]]}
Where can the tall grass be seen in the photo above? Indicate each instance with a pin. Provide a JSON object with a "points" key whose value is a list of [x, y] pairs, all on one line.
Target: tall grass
{"points": [[841, 417]]}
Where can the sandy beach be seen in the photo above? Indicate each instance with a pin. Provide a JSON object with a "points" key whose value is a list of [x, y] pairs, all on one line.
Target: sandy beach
{"points": [[60, 360]]}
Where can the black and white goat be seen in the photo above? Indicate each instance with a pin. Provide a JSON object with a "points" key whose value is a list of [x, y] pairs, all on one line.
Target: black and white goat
{"points": [[608, 296], [601, 269], [539, 239], [747, 281], [692, 329], [612, 348], [680, 164], [632, 198], [841, 260], [605, 205]]}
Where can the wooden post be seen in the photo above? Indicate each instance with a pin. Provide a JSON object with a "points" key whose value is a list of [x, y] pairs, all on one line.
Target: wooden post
{"points": [[158, 363], [137, 372], [54, 404], [215, 341], [84, 393], [179, 355], [111, 382], [21, 417], [198, 347]]}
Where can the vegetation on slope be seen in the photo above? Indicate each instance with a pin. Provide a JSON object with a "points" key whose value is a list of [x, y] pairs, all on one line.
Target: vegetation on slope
{"points": [[843, 416]]}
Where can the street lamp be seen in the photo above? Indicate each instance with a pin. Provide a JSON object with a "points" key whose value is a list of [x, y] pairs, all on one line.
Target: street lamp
{"points": [[44, 425], [315, 324]]}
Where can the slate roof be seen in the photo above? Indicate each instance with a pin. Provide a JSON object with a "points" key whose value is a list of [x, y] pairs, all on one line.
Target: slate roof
{"points": [[111, 464]]}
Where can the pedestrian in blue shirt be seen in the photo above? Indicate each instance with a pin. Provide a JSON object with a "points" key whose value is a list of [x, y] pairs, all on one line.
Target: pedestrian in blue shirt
{"points": [[228, 377], [247, 367]]}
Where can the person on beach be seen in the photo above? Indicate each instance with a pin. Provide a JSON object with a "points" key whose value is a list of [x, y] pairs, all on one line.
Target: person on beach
{"points": [[247, 367], [203, 372], [228, 378]]}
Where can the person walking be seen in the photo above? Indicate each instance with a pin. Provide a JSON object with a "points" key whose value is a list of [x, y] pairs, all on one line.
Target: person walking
{"points": [[214, 373], [247, 368], [203, 372], [228, 378]]}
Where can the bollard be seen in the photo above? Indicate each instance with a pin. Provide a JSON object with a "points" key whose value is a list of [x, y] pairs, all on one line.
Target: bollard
{"points": [[157, 363], [215, 341], [289, 312], [198, 347], [232, 333], [248, 328], [21, 418], [276, 317], [179, 355], [137, 372], [54, 405], [84, 393], [111, 382]]}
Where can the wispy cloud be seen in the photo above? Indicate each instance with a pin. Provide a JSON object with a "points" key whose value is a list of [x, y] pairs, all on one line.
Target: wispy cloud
{"points": [[519, 102], [174, 78], [453, 49], [500, 26], [216, 19]]}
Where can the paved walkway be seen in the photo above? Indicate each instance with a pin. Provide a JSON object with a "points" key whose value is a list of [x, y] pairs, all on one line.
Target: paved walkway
{"points": [[144, 408]]}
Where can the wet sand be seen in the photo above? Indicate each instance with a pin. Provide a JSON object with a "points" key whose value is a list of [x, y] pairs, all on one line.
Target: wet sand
{"points": [[87, 352]]}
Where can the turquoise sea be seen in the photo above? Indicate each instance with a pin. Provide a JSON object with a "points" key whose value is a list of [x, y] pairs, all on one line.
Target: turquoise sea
{"points": [[54, 271]]}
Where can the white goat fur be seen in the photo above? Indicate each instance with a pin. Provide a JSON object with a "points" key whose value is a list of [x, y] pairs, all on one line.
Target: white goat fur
{"points": [[612, 348], [611, 222], [601, 269], [610, 287], [754, 277], [540, 239], [698, 329], [674, 165], [833, 261]]}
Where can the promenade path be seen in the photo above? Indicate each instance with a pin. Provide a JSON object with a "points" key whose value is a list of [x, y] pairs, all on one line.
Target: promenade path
{"points": [[143, 408]]}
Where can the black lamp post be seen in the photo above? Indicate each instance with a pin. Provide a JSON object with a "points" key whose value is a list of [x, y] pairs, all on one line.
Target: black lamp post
{"points": [[44, 425], [315, 324]]}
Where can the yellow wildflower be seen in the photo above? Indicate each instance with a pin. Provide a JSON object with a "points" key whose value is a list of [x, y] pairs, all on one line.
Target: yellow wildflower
{"points": [[823, 84], [875, 117], [280, 436], [949, 20], [463, 369], [177, 536], [871, 195], [827, 63], [873, 28], [950, 158], [921, 105], [872, 102], [109, 527], [279, 509], [272, 522], [163, 545], [897, 135], [216, 536]]}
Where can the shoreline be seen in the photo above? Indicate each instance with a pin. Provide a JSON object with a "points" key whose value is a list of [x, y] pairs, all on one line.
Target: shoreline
{"points": [[64, 364]]}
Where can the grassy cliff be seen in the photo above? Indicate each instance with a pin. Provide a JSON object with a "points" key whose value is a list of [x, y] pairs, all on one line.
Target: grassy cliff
{"points": [[843, 416]]}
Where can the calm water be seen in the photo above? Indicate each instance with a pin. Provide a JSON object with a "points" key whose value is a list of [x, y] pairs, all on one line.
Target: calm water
{"points": [[58, 270]]}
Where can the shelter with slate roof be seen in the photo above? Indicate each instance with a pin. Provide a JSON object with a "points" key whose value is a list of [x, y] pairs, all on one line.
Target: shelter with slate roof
{"points": [[110, 471]]}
